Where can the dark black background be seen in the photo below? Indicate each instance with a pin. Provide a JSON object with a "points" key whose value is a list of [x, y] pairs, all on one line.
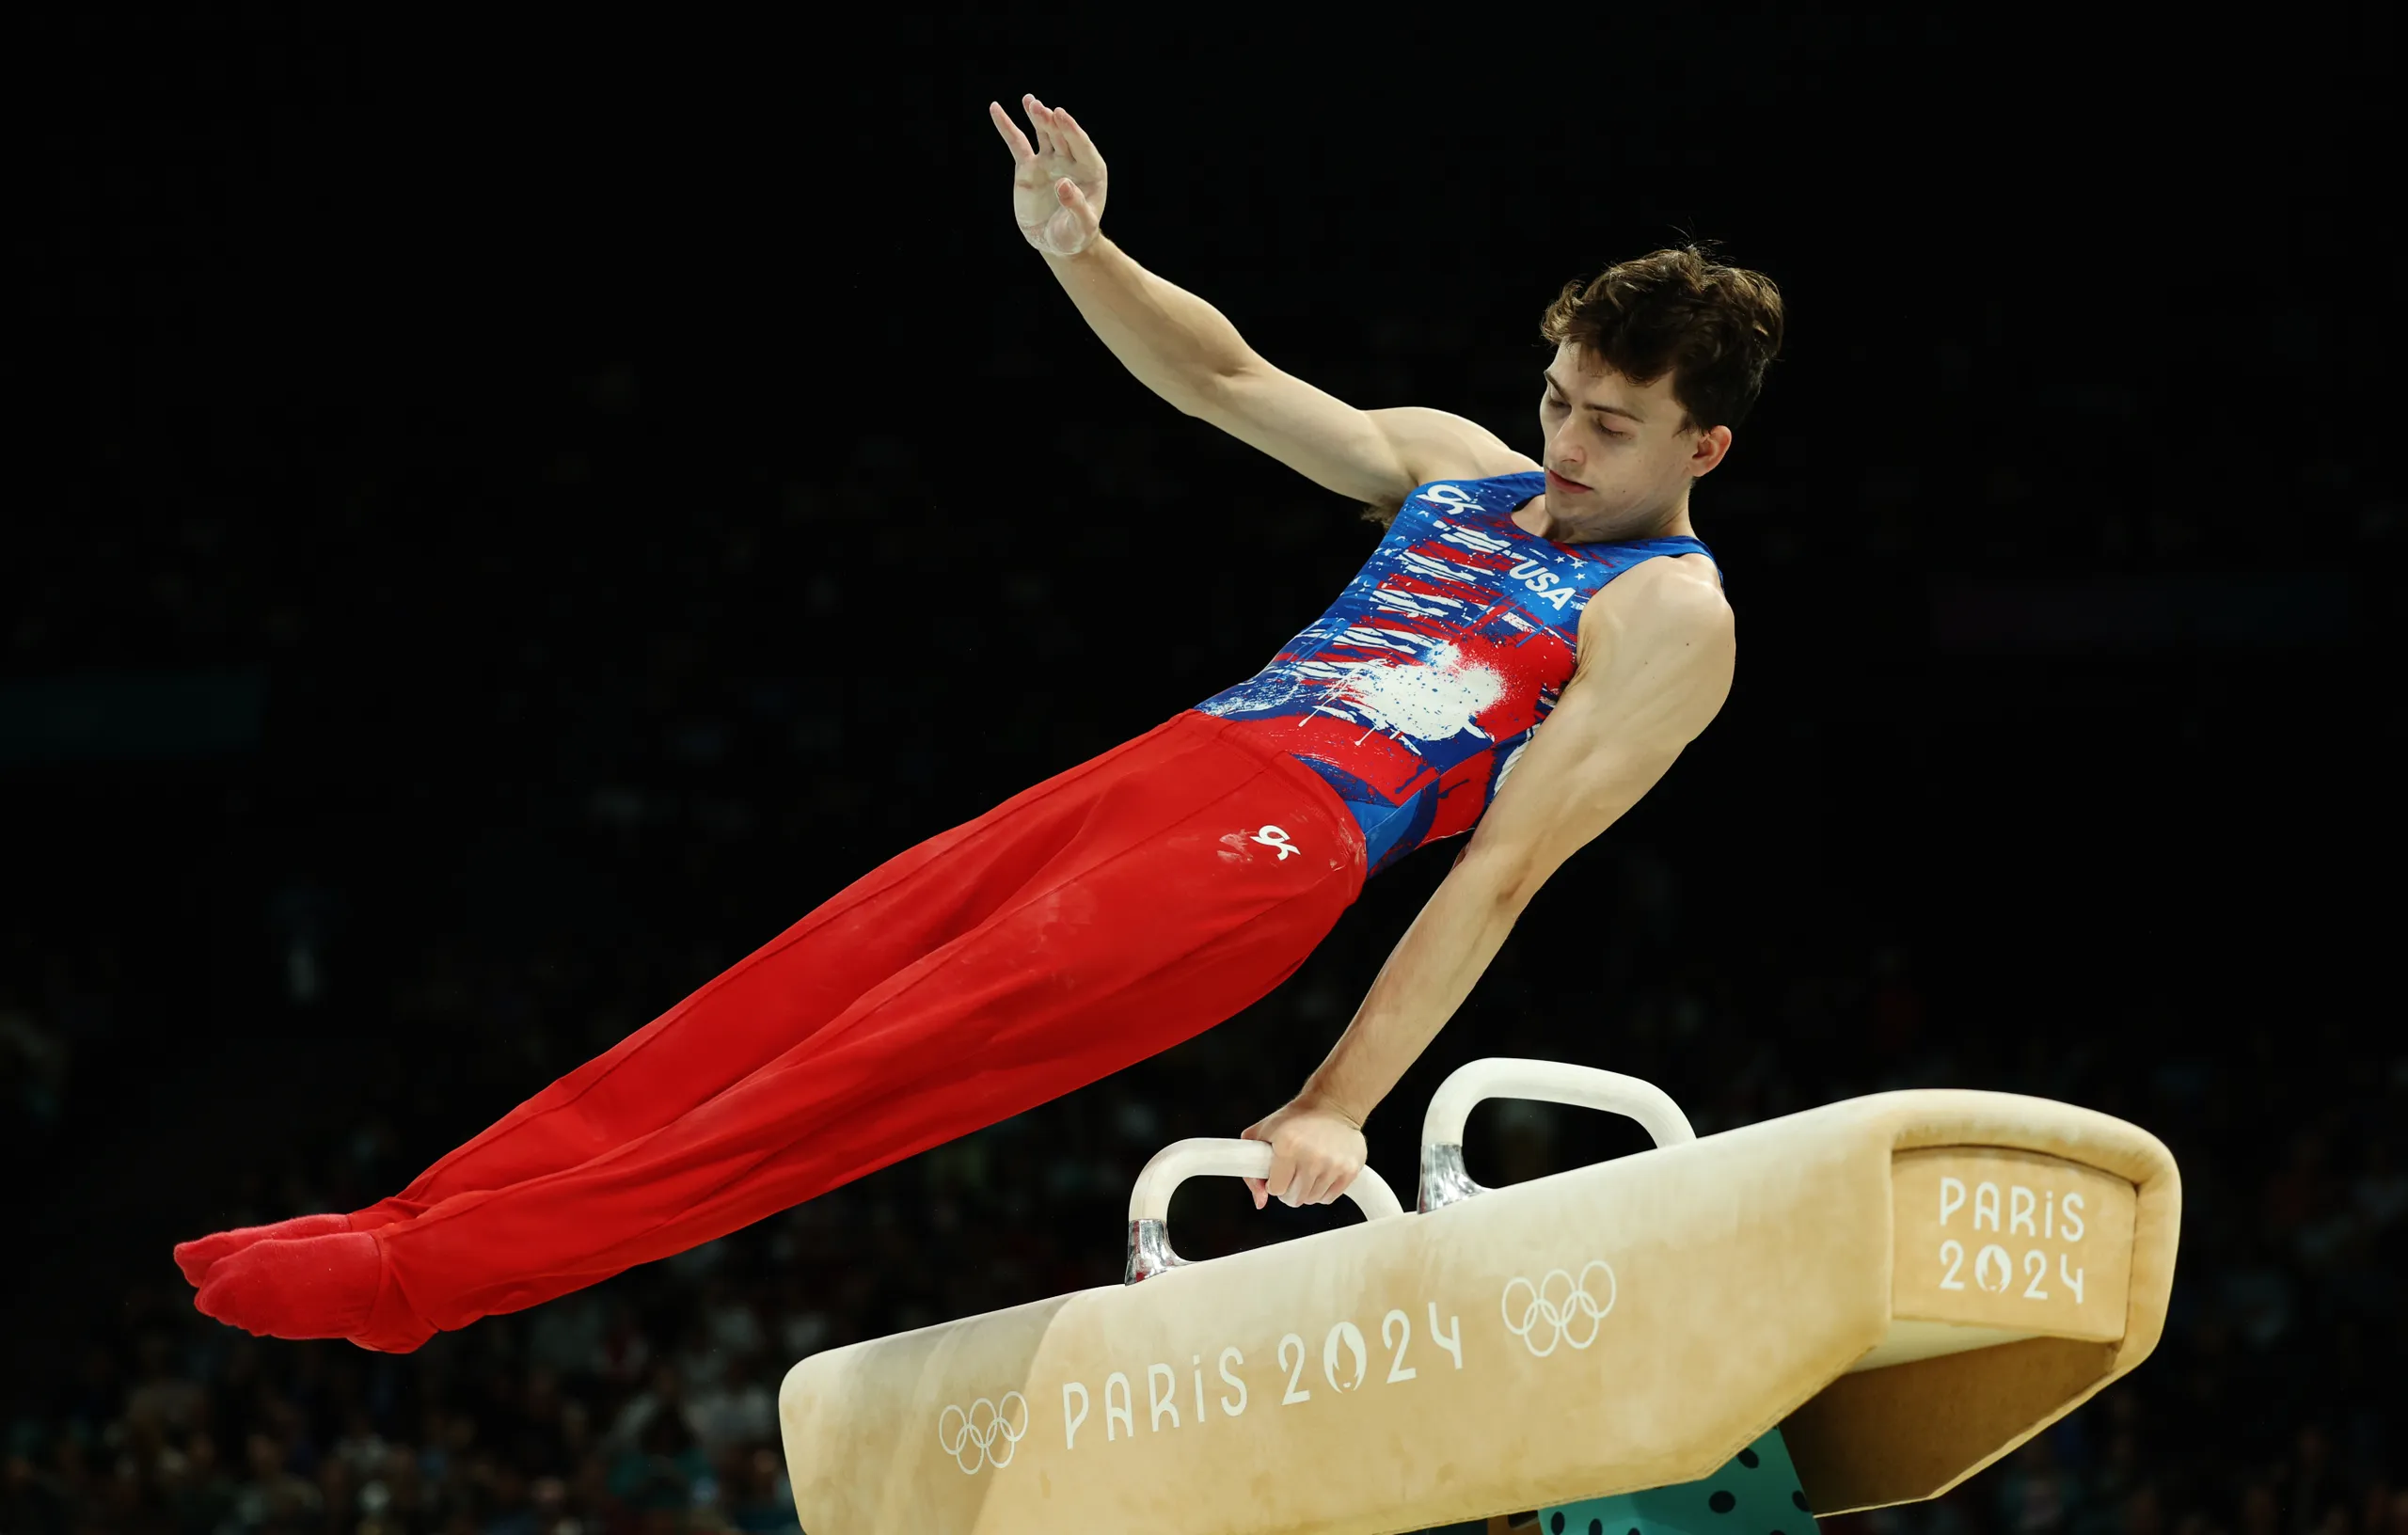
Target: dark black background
{"points": [[509, 519]]}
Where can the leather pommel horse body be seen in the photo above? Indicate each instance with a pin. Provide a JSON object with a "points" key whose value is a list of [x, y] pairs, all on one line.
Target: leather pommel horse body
{"points": [[1907, 1285]]}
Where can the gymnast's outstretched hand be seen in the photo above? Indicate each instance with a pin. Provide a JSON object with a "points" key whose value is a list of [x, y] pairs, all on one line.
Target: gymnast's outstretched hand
{"points": [[1315, 1153], [1058, 186]]}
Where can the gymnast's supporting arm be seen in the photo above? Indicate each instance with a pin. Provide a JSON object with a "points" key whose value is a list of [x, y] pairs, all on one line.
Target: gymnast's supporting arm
{"points": [[1657, 654], [1186, 351]]}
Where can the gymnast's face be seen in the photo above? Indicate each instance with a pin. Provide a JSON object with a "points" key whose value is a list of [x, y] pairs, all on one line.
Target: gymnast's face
{"points": [[1618, 459]]}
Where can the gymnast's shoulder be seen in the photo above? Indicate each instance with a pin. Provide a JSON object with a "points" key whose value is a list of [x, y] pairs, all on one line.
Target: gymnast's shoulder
{"points": [[1672, 602]]}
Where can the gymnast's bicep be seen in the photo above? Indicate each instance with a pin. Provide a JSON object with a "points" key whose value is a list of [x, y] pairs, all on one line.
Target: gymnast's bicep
{"points": [[1374, 457], [1659, 673]]}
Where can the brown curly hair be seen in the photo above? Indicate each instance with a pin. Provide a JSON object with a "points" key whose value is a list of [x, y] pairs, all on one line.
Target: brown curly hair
{"points": [[1715, 328]]}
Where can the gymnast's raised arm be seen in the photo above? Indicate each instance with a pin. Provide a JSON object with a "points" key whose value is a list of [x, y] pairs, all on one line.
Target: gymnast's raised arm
{"points": [[1186, 351]]}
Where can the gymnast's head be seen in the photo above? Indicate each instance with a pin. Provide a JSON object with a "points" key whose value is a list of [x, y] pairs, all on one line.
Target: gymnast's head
{"points": [[1656, 361]]}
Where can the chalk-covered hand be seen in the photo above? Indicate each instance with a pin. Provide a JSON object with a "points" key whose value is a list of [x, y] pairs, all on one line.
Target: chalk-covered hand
{"points": [[1057, 186], [1315, 1153]]}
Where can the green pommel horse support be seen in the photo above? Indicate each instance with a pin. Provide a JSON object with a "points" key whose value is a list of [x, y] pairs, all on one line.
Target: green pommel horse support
{"points": [[1857, 1306]]}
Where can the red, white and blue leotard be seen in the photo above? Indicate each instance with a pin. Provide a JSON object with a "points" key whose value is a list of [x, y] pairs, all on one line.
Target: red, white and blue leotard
{"points": [[1414, 694]]}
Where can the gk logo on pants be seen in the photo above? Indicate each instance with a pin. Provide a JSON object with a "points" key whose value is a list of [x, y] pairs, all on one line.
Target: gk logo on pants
{"points": [[1272, 836]]}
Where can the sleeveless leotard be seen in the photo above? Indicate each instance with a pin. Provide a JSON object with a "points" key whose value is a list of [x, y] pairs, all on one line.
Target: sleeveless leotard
{"points": [[1417, 689]]}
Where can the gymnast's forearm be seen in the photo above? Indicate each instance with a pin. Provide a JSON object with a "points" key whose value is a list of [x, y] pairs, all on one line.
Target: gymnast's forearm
{"points": [[1173, 341], [1428, 976]]}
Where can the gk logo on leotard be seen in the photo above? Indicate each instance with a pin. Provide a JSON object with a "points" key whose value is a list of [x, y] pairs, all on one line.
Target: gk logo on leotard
{"points": [[985, 1437], [1453, 497], [1570, 1314], [1271, 836]]}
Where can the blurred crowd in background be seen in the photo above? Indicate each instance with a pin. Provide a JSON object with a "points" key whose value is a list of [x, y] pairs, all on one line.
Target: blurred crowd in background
{"points": [[647, 1403]]}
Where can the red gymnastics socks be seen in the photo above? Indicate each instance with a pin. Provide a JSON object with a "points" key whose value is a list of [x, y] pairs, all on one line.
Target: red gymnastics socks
{"points": [[197, 1258], [332, 1286]]}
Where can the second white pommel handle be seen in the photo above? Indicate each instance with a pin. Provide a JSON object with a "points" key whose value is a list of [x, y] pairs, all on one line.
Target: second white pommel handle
{"points": [[1203, 1156], [1443, 1178]]}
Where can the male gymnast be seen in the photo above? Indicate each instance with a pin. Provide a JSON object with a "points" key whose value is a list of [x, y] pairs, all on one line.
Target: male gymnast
{"points": [[1528, 649]]}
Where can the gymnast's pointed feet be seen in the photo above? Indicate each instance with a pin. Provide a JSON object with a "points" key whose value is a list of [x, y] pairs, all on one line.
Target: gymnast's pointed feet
{"points": [[305, 1287], [197, 1258]]}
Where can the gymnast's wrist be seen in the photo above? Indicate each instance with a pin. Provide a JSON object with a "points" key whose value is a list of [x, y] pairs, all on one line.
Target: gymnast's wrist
{"points": [[1085, 255], [1315, 1099]]}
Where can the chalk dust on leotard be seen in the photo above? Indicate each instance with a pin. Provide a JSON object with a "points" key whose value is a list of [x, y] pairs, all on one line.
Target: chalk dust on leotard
{"points": [[1438, 696]]}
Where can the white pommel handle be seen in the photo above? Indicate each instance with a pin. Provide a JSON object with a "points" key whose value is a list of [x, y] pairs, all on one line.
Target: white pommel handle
{"points": [[1550, 1082], [1204, 1156]]}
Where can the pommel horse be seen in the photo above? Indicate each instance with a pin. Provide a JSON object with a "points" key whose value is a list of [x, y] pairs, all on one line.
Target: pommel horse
{"points": [[1855, 1305]]}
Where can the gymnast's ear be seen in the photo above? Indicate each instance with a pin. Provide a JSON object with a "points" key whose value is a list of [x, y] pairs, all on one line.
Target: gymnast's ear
{"points": [[1712, 444]]}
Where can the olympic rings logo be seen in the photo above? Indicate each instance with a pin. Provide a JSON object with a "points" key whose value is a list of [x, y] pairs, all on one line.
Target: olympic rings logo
{"points": [[973, 1444], [1571, 1319]]}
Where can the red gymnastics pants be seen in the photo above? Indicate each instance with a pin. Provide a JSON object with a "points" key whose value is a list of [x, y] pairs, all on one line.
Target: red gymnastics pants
{"points": [[1106, 914]]}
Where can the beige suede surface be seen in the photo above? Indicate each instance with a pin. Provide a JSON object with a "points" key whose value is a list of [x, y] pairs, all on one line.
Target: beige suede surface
{"points": [[1430, 1368], [1916, 1430]]}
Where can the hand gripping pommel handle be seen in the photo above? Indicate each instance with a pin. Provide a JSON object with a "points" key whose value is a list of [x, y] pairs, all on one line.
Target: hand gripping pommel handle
{"points": [[1443, 1177], [1149, 1249]]}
